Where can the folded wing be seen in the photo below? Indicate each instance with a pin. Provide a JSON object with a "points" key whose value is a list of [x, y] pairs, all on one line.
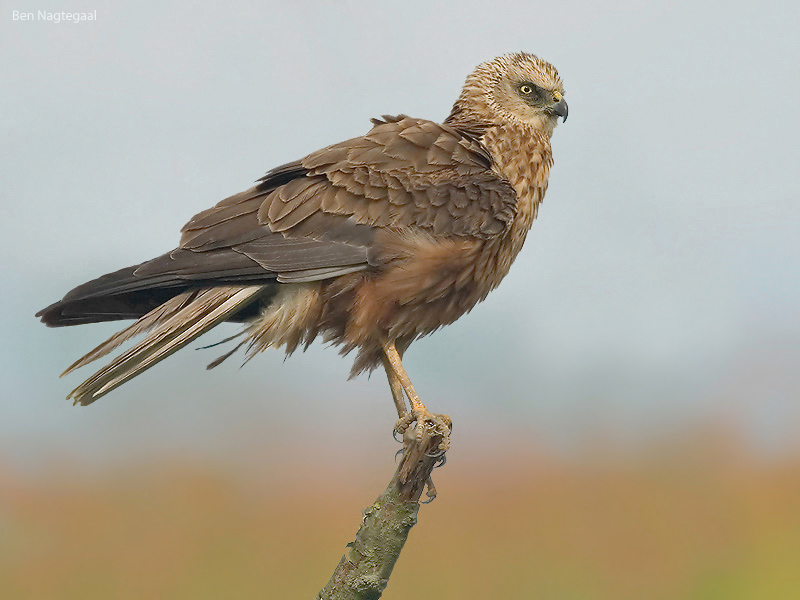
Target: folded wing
{"points": [[309, 220]]}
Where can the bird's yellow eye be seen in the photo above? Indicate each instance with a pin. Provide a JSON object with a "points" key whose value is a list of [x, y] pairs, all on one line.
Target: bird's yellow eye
{"points": [[525, 89]]}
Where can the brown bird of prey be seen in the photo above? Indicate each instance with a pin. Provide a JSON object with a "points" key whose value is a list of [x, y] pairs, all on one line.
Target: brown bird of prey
{"points": [[369, 244]]}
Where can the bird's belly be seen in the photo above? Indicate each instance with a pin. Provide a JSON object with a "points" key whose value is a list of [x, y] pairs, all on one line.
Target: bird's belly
{"points": [[425, 287]]}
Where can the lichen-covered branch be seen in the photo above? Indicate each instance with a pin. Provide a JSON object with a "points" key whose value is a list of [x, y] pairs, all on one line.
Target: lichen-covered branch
{"points": [[364, 572]]}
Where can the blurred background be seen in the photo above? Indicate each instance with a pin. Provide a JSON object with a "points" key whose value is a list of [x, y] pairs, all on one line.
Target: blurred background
{"points": [[626, 404]]}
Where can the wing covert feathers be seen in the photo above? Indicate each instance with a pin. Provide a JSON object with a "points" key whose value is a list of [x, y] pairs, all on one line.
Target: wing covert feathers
{"points": [[404, 173], [171, 326]]}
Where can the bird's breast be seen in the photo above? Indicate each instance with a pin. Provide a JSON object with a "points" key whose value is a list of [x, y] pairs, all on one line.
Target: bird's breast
{"points": [[522, 156]]}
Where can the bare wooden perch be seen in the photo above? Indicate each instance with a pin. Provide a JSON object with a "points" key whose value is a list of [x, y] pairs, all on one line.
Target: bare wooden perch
{"points": [[364, 572]]}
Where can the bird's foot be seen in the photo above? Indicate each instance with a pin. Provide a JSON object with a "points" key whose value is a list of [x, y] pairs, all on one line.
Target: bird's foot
{"points": [[427, 424], [430, 492]]}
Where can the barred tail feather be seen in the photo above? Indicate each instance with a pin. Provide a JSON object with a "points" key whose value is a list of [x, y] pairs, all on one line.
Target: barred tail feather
{"points": [[171, 327]]}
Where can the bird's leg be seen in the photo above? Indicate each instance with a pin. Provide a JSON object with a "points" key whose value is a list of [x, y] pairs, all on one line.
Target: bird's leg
{"points": [[426, 421], [397, 389]]}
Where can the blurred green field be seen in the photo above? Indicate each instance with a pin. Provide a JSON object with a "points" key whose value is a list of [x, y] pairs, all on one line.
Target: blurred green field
{"points": [[692, 519]]}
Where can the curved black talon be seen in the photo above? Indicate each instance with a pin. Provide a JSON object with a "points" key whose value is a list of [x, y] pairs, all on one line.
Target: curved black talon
{"points": [[430, 491], [439, 455], [396, 439], [398, 453], [441, 461]]}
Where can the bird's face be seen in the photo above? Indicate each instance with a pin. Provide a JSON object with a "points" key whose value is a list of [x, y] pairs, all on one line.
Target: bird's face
{"points": [[529, 89], [520, 88]]}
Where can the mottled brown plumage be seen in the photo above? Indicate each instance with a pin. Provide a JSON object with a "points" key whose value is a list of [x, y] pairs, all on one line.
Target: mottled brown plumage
{"points": [[369, 244]]}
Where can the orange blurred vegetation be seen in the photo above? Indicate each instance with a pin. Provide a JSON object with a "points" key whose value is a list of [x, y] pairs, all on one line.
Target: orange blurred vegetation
{"points": [[695, 519]]}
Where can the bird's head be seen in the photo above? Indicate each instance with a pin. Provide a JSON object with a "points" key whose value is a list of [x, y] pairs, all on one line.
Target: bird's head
{"points": [[517, 88]]}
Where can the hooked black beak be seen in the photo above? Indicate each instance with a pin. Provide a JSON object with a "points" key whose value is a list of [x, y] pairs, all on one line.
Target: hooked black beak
{"points": [[561, 109]]}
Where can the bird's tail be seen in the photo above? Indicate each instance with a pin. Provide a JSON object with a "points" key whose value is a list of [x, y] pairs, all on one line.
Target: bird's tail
{"points": [[171, 326]]}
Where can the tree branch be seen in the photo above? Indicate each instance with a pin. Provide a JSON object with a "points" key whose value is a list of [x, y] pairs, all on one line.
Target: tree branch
{"points": [[364, 572]]}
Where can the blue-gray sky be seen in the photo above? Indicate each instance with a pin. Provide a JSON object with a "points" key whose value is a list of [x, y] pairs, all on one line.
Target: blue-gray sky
{"points": [[659, 286]]}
